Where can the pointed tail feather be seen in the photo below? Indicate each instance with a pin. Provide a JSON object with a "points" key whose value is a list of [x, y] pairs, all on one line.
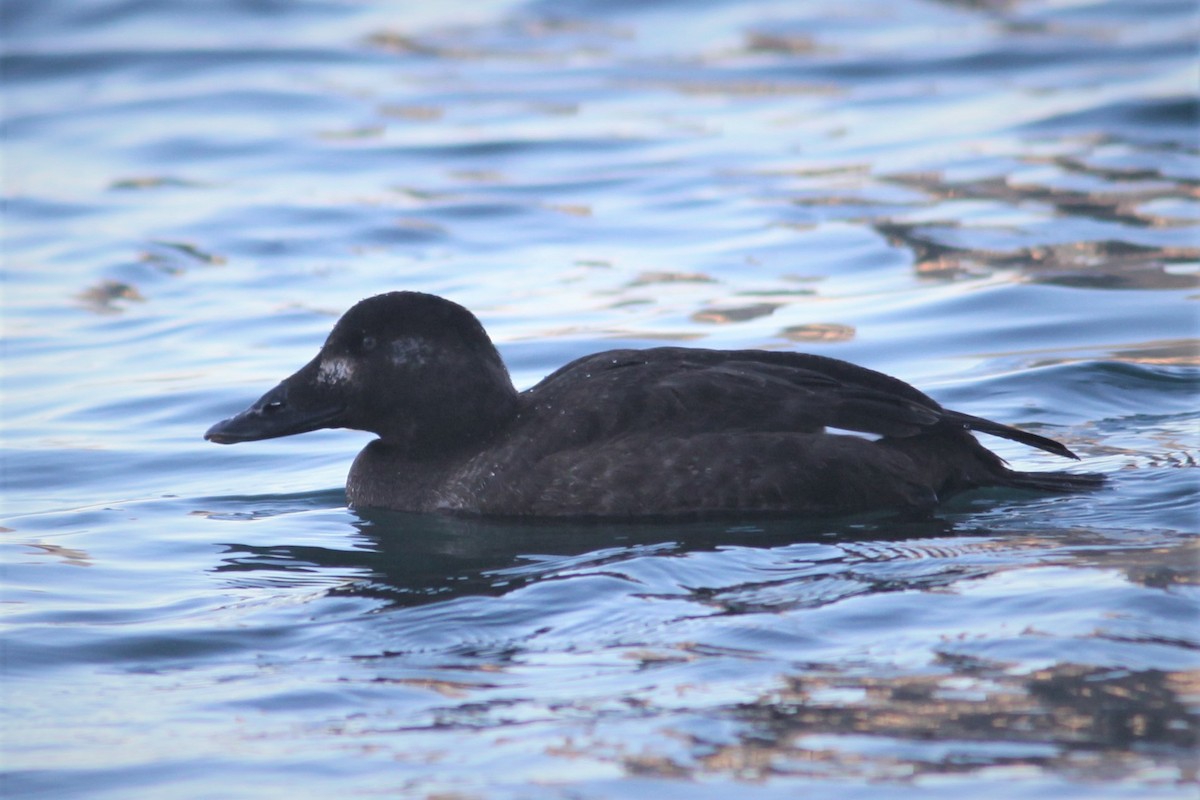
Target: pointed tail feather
{"points": [[1007, 432], [1054, 481]]}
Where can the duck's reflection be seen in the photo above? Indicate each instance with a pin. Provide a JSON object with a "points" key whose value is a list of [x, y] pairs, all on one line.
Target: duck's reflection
{"points": [[412, 559]]}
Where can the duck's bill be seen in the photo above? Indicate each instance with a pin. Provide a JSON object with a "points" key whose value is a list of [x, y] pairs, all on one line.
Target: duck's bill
{"points": [[283, 411]]}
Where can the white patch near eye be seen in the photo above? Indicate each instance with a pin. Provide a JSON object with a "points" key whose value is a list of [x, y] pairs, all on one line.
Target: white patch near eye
{"points": [[410, 351], [335, 370]]}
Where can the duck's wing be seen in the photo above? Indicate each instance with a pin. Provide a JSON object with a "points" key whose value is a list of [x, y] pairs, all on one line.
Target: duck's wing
{"points": [[684, 391]]}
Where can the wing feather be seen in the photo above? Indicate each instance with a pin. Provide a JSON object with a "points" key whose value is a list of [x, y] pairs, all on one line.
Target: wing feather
{"points": [[686, 391]]}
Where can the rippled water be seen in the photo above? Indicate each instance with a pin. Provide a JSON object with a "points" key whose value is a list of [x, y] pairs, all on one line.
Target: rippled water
{"points": [[997, 201]]}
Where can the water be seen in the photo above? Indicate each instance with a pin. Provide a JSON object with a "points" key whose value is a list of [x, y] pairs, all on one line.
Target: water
{"points": [[996, 201]]}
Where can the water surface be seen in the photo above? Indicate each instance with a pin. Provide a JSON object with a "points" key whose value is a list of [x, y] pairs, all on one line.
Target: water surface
{"points": [[997, 201]]}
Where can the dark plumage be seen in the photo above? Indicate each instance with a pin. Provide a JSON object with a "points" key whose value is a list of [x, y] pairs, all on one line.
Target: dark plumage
{"points": [[624, 433]]}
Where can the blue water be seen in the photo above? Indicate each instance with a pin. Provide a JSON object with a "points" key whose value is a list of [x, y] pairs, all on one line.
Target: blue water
{"points": [[996, 201]]}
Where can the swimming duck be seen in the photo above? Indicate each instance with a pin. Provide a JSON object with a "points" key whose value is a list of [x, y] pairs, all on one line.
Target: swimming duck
{"points": [[665, 431]]}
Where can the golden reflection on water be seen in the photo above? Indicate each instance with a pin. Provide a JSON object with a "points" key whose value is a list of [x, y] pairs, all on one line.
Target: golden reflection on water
{"points": [[1087, 722]]}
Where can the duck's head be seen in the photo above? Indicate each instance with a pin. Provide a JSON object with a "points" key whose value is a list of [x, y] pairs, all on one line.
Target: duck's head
{"points": [[416, 369]]}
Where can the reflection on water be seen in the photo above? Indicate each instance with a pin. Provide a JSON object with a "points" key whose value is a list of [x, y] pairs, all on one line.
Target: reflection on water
{"points": [[978, 703], [416, 559], [1086, 722]]}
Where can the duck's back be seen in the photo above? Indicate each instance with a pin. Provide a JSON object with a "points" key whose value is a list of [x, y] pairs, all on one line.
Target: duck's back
{"points": [[675, 391]]}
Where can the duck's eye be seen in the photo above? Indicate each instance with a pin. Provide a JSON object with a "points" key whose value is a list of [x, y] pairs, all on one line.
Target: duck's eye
{"points": [[367, 344]]}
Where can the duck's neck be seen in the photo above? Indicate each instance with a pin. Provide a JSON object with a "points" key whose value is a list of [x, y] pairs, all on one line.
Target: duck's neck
{"points": [[456, 425], [384, 476]]}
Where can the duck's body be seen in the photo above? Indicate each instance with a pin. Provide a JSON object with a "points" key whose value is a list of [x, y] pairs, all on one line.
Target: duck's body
{"points": [[625, 433]]}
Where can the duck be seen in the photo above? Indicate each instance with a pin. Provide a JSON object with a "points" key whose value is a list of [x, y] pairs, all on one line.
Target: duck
{"points": [[629, 433]]}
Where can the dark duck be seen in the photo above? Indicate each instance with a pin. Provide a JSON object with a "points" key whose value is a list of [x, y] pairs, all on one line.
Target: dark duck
{"points": [[666, 431]]}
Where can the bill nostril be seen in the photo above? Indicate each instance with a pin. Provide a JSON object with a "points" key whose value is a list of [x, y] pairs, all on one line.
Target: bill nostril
{"points": [[273, 407]]}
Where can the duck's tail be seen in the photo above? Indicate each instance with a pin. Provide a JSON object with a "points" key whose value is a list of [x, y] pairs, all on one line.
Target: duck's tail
{"points": [[1008, 432], [998, 474], [953, 461], [1051, 481]]}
